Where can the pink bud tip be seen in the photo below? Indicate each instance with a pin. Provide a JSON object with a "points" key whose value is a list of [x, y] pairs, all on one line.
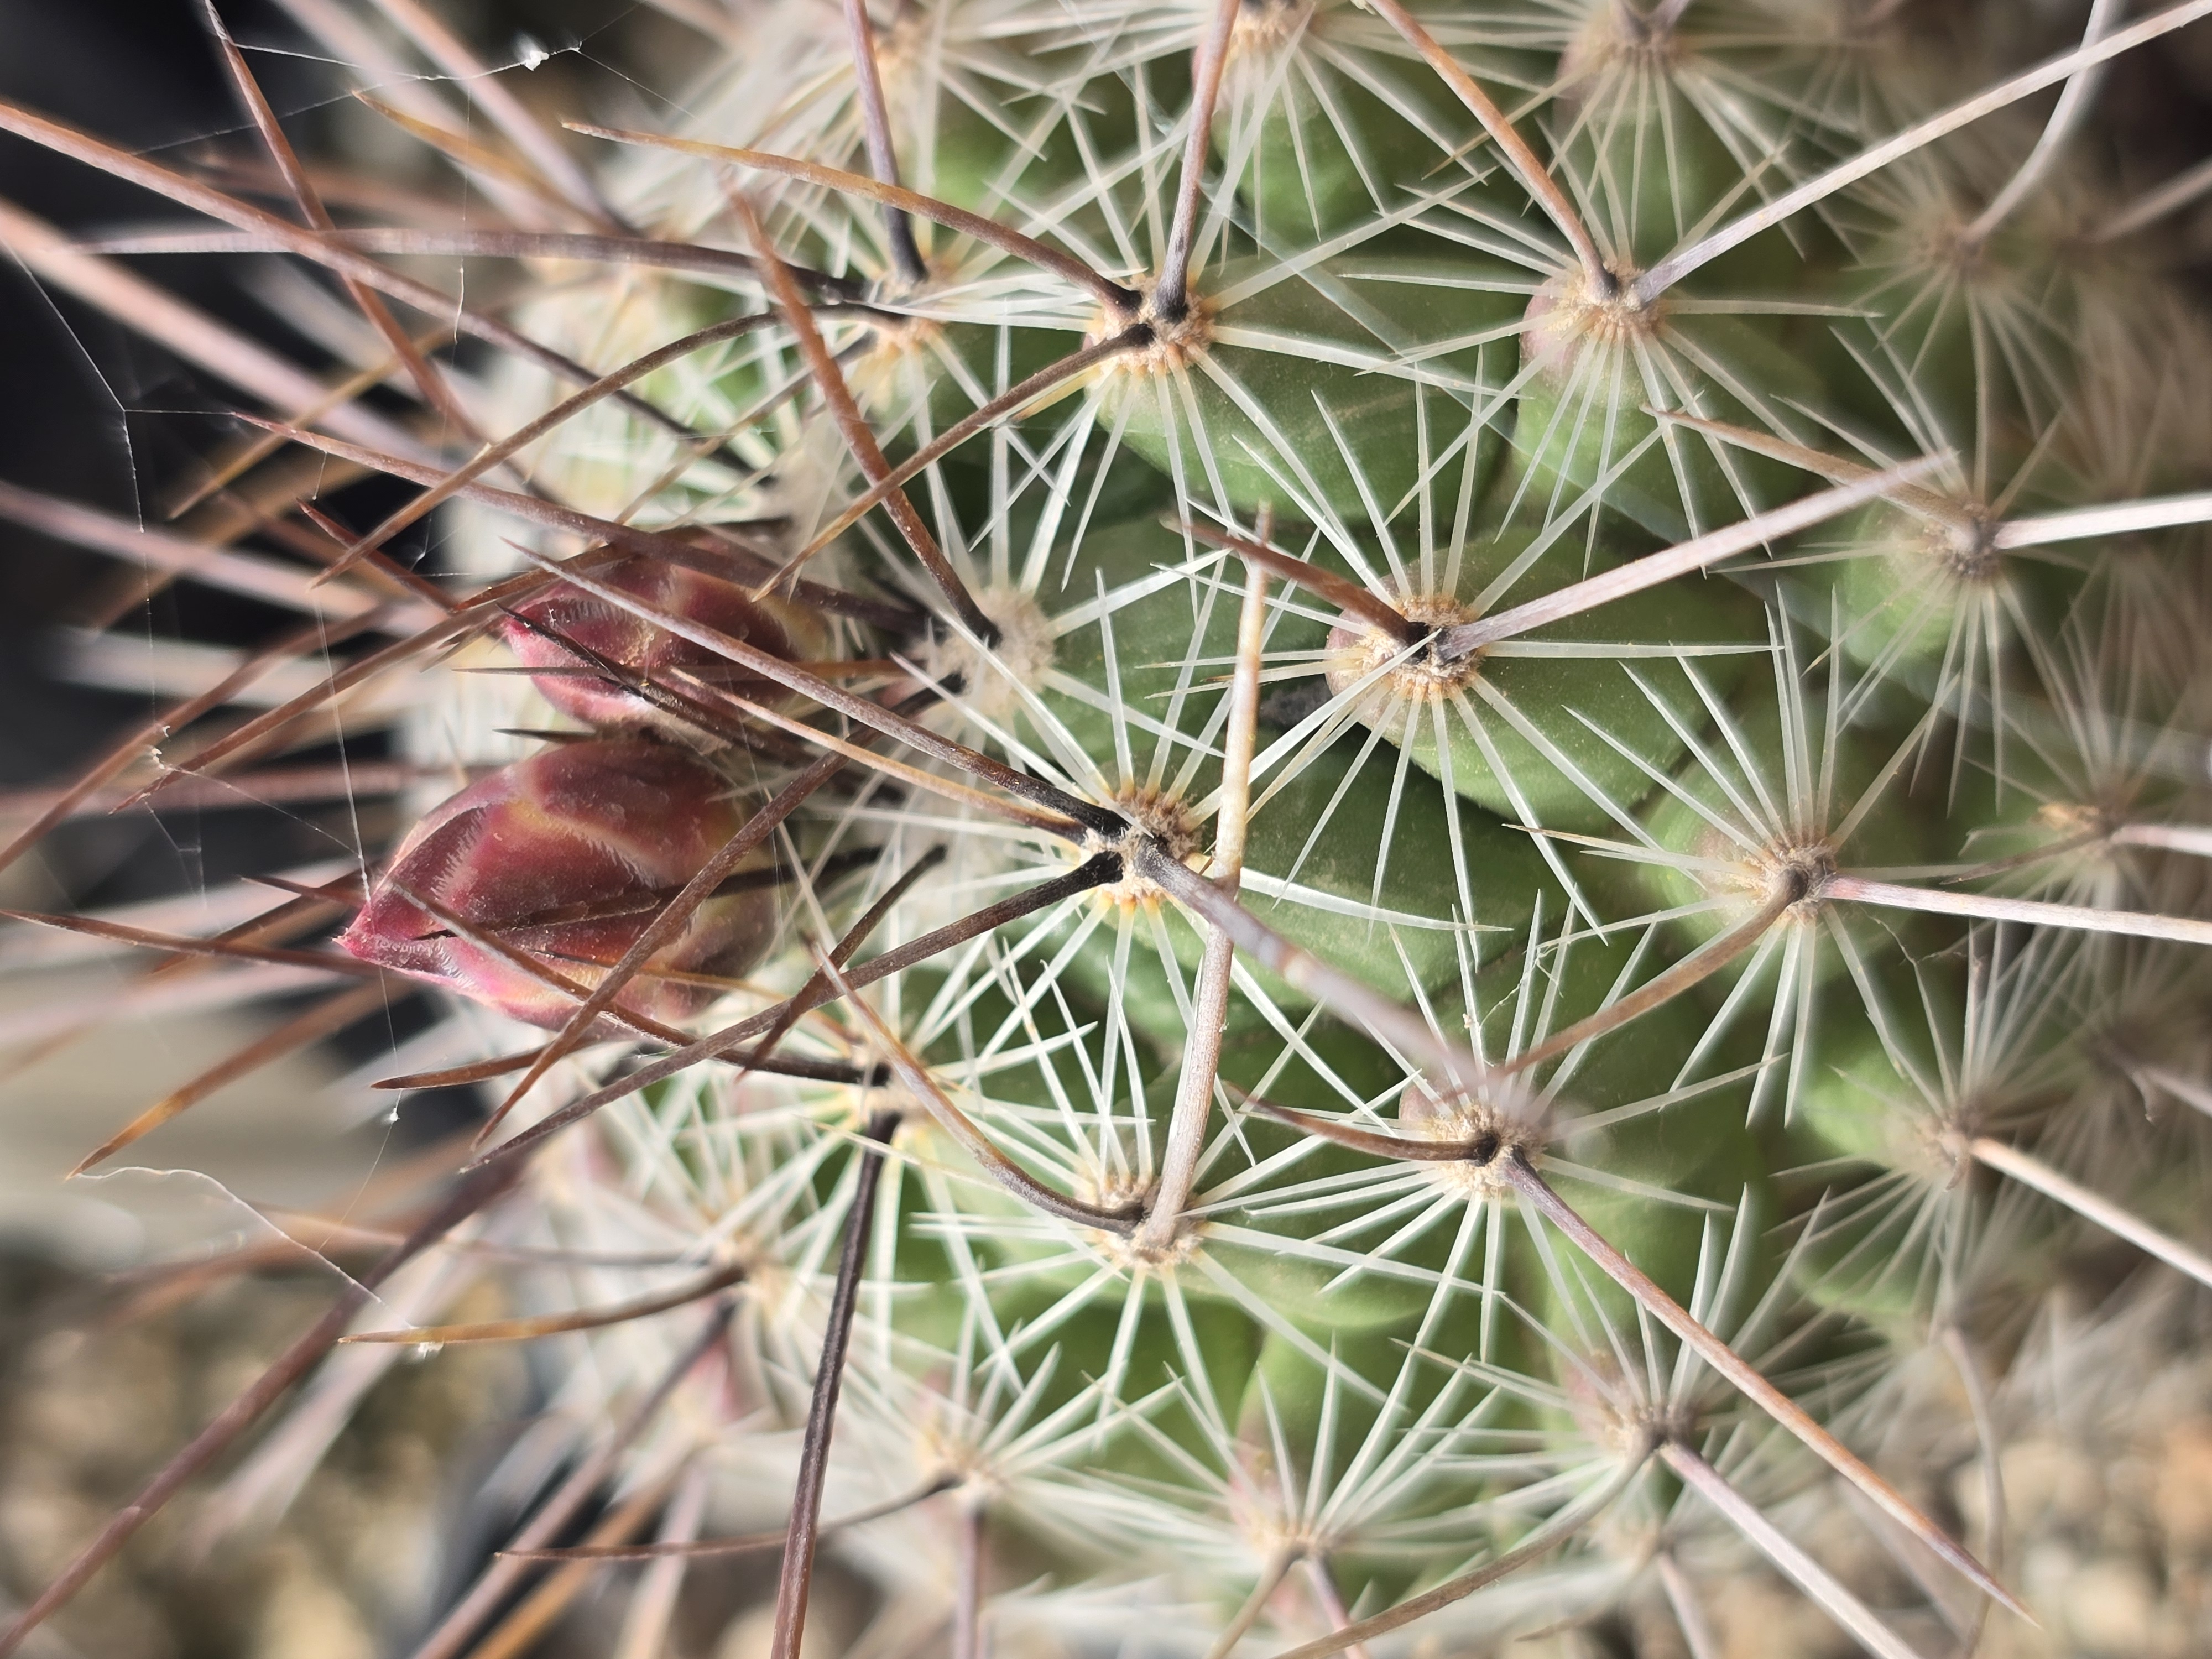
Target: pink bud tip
{"points": [[566, 857]]}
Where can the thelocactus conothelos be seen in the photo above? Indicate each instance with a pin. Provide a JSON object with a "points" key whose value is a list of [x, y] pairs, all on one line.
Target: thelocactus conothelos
{"points": [[1433, 779]]}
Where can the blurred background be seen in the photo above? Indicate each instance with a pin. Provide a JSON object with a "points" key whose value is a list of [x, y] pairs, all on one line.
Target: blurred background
{"points": [[133, 1305]]}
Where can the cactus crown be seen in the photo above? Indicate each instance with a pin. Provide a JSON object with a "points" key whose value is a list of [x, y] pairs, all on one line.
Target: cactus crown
{"points": [[1362, 795]]}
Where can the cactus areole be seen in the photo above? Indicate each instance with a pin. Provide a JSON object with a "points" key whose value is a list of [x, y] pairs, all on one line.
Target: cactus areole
{"points": [[1399, 803]]}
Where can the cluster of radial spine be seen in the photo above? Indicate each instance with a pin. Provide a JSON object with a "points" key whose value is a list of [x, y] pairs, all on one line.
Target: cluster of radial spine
{"points": [[913, 1078]]}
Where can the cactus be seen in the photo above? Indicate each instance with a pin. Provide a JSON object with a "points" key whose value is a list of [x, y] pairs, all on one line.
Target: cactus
{"points": [[1358, 811]]}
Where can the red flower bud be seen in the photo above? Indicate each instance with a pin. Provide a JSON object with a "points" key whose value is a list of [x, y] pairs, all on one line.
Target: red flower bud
{"points": [[773, 624], [565, 856]]}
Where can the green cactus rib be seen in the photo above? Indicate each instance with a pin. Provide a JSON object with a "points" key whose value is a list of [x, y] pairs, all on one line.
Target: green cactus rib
{"points": [[1365, 637]]}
